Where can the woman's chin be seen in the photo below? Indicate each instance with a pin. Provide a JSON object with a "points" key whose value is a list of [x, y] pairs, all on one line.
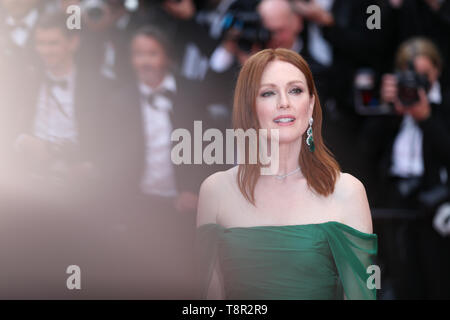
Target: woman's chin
{"points": [[285, 139], [286, 135]]}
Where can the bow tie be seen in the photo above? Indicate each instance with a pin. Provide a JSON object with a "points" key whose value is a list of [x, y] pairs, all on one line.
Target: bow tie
{"points": [[63, 84], [152, 99]]}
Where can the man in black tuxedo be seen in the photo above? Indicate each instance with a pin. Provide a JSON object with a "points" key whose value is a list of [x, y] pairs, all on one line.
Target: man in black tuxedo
{"points": [[58, 120], [144, 112], [155, 197]]}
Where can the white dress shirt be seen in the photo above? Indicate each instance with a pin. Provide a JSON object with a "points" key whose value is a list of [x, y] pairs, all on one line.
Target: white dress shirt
{"points": [[407, 156], [159, 176], [55, 116]]}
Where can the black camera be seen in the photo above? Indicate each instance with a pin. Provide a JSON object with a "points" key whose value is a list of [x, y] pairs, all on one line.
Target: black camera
{"points": [[248, 25], [408, 84]]}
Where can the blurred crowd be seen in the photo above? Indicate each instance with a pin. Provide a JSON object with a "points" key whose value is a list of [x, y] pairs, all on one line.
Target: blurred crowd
{"points": [[86, 116]]}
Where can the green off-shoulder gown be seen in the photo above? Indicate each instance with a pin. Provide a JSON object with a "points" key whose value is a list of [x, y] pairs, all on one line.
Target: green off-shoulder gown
{"points": [[310, 261]]}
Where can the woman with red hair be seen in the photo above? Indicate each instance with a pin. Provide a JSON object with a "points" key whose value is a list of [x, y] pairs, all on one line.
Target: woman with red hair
{"points": [[304, 232]]}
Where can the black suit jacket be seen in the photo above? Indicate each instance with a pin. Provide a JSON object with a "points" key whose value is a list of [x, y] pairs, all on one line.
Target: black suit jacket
{"points": [[126, 156], [379, 136], [91, 54]]}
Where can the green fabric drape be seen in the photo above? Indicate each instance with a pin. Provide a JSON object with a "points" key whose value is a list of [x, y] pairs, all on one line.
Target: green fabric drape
{"points": [[312, 261]]}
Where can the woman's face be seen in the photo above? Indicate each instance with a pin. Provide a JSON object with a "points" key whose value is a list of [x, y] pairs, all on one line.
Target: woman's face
{"points": [[283, 101]]}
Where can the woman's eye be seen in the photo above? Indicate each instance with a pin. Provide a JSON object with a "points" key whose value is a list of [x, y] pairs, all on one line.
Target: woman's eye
{"points": [[267, 93], [296, 90]]}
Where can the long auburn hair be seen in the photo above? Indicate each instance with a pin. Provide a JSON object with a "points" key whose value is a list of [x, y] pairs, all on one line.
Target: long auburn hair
{"points": [[319, 167]]}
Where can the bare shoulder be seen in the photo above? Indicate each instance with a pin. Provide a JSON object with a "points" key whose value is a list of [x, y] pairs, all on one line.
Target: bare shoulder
{"points": [[351, 194], [347, 184], [207, 201], [219, 180], [213, 190]]}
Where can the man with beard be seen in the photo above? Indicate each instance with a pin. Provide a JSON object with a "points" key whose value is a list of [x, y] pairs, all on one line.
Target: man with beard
{"points": [[155, 197]]}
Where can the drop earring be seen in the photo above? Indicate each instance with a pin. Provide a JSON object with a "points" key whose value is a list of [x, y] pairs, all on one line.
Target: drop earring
{"points": [[309, 137]]}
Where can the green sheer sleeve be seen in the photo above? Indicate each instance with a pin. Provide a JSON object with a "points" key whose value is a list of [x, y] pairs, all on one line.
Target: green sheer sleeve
{"points": [[353, 252]]}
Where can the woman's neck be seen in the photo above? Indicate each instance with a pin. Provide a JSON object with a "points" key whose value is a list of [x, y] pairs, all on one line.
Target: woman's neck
{"points": [[288, 155]]}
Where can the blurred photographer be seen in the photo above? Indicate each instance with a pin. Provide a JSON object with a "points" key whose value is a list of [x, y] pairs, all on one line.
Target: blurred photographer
{"points": [[410, 154], [416, 94], [273, 25]]}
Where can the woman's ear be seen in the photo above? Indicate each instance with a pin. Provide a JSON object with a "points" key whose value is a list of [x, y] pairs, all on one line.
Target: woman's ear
{"points": [[311, 105]]}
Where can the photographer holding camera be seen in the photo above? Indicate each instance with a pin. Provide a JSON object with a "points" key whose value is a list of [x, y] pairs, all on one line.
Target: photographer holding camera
{"points": [[410, 152], [416, 94], [274, 25]]}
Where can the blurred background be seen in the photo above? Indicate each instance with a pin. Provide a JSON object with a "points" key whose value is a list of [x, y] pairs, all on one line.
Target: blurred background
{"points": [[86, 115]]}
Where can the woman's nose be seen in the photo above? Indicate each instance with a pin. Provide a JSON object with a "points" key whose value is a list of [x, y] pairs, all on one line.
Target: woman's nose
{"points": [[283, 101]]}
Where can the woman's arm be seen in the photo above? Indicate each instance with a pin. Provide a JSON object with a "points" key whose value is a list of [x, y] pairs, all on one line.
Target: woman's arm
{"points": [[355, 206], [215, 288], [208, 210], [209, 200]]}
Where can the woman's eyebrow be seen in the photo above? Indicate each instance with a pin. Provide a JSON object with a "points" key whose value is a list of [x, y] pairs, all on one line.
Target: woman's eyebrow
{"points": [[274, 85]]}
